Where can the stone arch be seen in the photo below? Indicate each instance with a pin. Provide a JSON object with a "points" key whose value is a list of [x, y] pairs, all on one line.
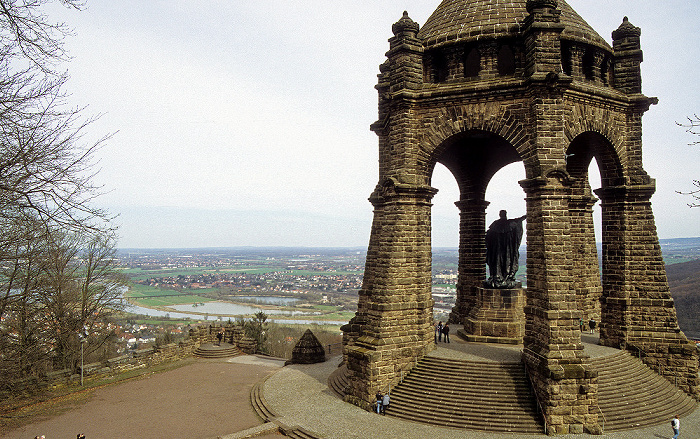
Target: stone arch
{"points": [[492, 119], [597, 133]]}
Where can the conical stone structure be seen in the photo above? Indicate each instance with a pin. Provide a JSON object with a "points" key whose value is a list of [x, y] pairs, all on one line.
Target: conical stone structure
{"points": [[308, 350]]}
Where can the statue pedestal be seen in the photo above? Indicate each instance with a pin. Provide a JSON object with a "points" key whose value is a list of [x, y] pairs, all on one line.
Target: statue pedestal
{"points": [[497, 317]]}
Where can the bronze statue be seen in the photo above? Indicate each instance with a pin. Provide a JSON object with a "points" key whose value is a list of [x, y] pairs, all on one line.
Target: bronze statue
{"points": [[502, 251]]}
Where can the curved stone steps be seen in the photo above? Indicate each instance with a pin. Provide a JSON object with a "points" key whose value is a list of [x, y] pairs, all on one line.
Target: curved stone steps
{"points": [[630, 395], [209, 350], [338, 381], [257, 400]]}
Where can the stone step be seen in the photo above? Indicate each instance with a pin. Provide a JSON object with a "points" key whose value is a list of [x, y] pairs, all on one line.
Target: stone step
{"points": [[466, 409], [257, 400], [502, 383], [630, 395], [467, 394], [466, 420], [466, 391], [338, 381], [215, 351]]}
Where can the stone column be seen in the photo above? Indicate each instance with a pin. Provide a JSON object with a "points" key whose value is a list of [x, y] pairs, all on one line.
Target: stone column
{"points": [[393, 326], [561, 374], [472, 256], [637, 308]]}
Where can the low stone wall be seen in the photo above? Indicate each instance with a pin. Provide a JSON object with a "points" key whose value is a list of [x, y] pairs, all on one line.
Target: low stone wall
{"points": [[137, 359]]}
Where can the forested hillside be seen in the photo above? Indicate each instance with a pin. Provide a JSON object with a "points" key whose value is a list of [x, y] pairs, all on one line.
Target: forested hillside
{"points": [[684, 281]]}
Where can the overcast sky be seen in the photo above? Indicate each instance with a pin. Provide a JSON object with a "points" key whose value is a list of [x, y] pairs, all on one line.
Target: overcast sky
{"points": [[243, 122]]}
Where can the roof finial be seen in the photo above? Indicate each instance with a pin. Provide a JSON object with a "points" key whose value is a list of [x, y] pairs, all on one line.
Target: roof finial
{"points": [[405, 24]]}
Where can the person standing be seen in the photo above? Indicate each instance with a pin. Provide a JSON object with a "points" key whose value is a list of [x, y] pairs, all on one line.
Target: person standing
{"points": [[676, 425], [220, 335], [380, 399], [446, 332], [385, 403], [439, 330]]}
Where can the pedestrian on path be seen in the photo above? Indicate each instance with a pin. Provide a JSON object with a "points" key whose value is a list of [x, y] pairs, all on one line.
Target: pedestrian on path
{"points": [[439, 331], [380, 399], [385, 403], [446, 332], [220, 335], [591, 324], [676, 425]]}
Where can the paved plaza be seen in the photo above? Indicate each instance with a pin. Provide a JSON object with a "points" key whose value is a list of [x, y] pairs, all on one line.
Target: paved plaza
{"points": [[211, 399]]}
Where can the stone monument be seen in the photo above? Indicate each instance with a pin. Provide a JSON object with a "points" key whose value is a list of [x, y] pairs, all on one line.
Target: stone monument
{"points": [[483, 84], [503, 251]]}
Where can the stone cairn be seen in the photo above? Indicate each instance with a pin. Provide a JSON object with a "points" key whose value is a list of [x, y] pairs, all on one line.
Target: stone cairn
{"points": [[308, 350]]}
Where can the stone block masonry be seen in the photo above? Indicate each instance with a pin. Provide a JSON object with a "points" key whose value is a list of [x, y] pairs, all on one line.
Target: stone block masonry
{"points": [[480, 86]]}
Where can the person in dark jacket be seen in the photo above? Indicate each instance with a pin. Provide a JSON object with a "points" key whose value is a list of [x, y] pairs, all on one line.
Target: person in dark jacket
{"points": [[446, 332]]}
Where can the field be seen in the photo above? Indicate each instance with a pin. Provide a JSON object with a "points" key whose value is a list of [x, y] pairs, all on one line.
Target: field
{"points": [[164, 297]]}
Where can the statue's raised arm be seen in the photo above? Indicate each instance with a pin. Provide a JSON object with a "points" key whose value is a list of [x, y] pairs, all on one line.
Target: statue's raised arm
{"points": [[502, 251]]}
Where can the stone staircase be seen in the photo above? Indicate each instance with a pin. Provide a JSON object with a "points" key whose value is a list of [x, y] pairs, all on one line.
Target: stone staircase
{"points": [[267, 414], [497, 397], [630, 395], [338, 381], [210, 350], [473, 395]]}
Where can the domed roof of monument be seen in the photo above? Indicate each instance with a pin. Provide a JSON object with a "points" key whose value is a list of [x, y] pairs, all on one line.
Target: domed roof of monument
{"points": [[469, 20]]}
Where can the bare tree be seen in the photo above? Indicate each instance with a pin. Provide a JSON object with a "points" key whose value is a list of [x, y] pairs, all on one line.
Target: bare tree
{"points": [[693, 127], [57, 276]]}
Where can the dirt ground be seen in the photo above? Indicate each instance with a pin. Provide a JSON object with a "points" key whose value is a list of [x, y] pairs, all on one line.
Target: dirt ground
{"points": [[204, 399]]}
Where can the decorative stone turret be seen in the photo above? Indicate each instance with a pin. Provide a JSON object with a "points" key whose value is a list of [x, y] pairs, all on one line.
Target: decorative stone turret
{"points": [[628, 57]]}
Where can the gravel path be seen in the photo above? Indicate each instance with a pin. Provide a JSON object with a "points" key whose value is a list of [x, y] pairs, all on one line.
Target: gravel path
{"points": [[205, 399]]}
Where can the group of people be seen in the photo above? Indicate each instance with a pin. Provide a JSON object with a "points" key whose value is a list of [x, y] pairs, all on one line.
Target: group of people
{"points": [[591, 325], [442, 331], [382, 402]]}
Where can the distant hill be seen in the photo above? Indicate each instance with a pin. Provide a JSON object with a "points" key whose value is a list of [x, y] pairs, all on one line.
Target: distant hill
{"points": [[684, 281]]}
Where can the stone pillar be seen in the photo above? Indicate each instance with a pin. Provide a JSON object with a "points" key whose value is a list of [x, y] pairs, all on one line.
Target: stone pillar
{"points": [[637, 308], [489, 59], [563, 379], [393, 326], [577, 53], [472, 256], [587, 274], [542, 29]]}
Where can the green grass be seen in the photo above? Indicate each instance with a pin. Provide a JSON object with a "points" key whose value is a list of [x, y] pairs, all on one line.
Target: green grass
{"points": [[165, 297]]}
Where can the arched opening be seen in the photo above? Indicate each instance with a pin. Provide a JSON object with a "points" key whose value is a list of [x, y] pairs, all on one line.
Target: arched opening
{"points": [[588, 64], [472, 63], [591, 164], [445, 242], [506, 61], [566, 57], [476, 160]]}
